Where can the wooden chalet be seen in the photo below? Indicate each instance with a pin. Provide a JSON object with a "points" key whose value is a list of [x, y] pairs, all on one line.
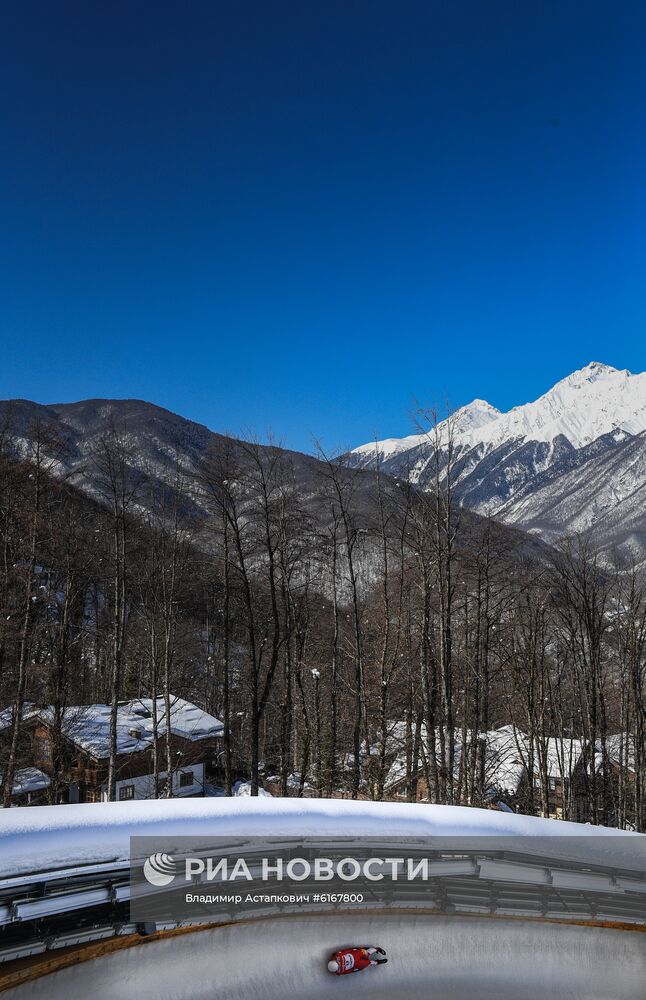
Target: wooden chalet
{"points": [[143, 735]]}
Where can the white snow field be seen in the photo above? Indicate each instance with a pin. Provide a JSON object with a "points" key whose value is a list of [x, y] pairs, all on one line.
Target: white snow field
{"points": [[460, 957], [431, 958]]}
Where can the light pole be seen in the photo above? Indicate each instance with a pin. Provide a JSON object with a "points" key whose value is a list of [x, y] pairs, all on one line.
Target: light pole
{"points": [[316, 674]]}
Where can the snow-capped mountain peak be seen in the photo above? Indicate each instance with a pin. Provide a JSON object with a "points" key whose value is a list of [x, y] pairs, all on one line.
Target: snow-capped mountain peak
{"points": [[592, 372], [595, 371], [474, 415], [561, 451], [592, 401], [463, 424]]}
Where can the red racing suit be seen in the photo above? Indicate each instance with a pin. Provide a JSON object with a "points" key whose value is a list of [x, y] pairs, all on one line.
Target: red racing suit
{"points": [[352, 960]]}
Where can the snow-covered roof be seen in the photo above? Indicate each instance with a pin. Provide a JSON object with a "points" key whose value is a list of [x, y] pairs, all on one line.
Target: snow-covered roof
{"points": [[505, 758], [29, 779], [88, 726], [395, 742], [6, 715], [506, 755], [619, 751], [562, 755]]}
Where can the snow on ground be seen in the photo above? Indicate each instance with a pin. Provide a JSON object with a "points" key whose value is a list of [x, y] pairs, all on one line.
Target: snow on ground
{"points": [[40, 837], [244, 788]]}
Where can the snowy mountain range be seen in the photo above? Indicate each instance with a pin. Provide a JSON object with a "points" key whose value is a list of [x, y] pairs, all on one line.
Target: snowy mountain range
{"points": [[571, 461], [156, 440]]}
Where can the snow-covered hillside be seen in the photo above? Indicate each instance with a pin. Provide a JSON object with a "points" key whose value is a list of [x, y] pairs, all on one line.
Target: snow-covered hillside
{"points": [[571, 460]]}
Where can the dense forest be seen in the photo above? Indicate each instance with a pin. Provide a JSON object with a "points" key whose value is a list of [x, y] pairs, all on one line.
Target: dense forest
{"points": [[321, 620]]}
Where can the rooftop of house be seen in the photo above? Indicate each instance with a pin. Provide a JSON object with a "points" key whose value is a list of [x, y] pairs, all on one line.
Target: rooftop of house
{"points": [[618, 749], [507, 755], [6, 715], [29, 779], [88, 726]]}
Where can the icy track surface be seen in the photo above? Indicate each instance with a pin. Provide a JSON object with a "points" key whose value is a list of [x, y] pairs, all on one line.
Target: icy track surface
{"points": [[434, 958]]}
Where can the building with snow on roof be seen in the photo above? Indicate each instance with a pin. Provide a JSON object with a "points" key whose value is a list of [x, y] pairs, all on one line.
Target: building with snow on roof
{"points": [[30, 786], [511, 770], [75, 749]]}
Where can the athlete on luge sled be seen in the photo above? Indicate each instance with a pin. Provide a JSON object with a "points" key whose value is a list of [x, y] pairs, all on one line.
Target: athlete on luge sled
{"points": [[348, 960]]}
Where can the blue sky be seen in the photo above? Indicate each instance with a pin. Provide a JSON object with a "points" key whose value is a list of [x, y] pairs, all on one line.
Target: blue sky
{"points": [[302, 217]]}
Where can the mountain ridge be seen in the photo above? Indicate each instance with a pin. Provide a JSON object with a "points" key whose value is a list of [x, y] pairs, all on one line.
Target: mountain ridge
{"points": [[574, 460], [541, 450], [157, 437]]}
